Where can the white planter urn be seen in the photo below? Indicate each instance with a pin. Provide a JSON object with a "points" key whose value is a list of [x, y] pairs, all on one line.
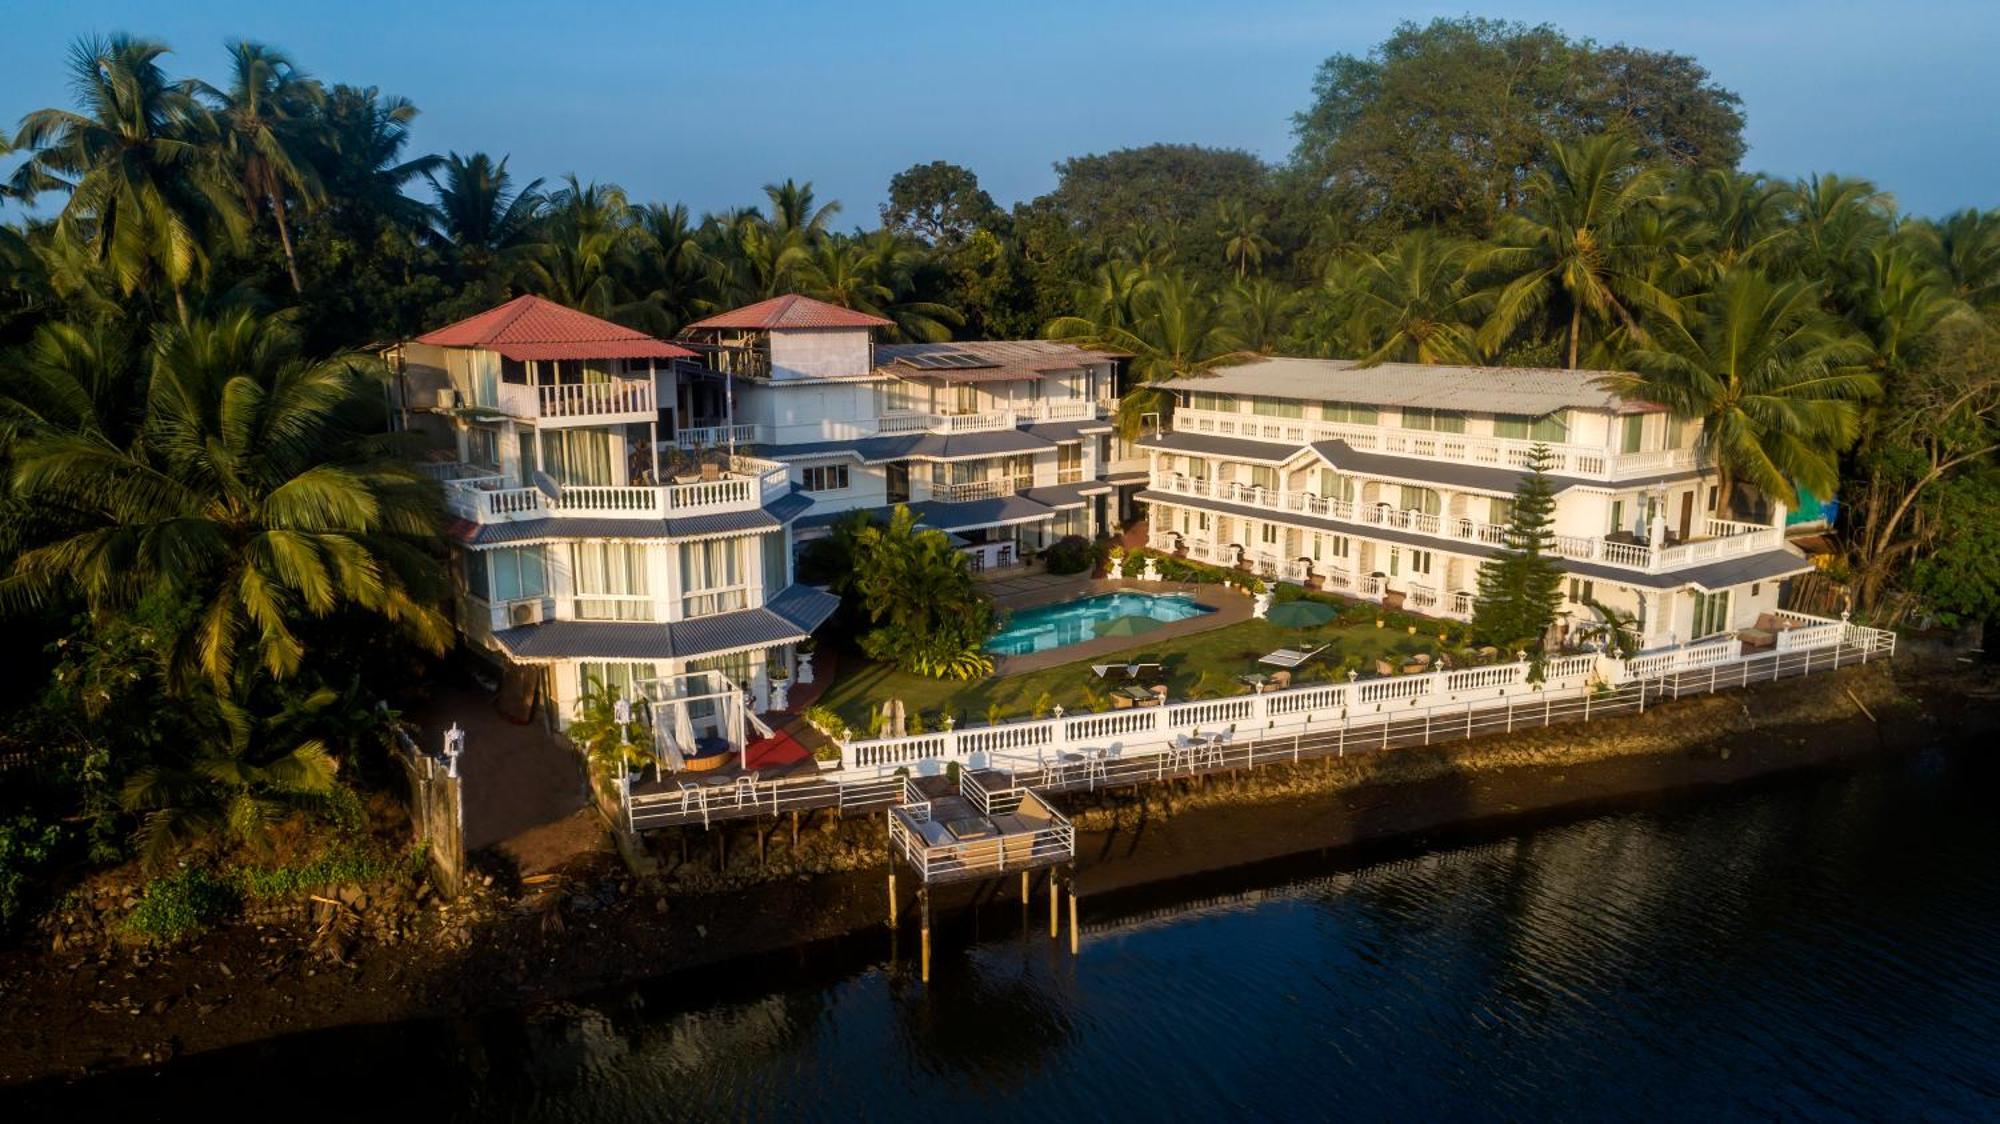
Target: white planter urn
{"points": [[781, 694], [1152, 573], [1116, 570], [805, 668], [1261, 605]]}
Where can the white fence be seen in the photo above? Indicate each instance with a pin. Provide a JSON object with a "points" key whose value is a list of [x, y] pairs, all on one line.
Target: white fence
{"points": [[1444, 695]]}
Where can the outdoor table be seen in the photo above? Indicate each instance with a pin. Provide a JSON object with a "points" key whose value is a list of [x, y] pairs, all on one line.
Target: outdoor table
{"points": [[969, 827], [1136, 694], [1255, 681]]}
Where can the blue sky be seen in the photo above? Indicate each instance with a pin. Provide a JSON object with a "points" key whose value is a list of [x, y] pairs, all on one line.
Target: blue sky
{"points": [[703, 103]]}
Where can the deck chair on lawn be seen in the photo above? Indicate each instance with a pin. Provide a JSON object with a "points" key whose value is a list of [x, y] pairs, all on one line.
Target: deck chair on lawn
{"points": [[1289, 658]]}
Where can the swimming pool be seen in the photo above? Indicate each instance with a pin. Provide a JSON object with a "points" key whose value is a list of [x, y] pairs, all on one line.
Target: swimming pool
{"points": [[1073, 622]]}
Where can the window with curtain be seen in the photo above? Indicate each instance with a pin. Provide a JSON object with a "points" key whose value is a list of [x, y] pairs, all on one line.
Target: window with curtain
{"points": [[1277, 407], [773, 548], [580, 456], [515, 572], [1423, 500], [1264, 476], [1499, 512], [1552, 428], [1334, 486], [712, 577], [1711, 613], [1349, 413], [482, 447], [1441, 421], [1329, 546], [1203, 400], [1633, 433], [610, 581], [621, 680], [738, 666]]}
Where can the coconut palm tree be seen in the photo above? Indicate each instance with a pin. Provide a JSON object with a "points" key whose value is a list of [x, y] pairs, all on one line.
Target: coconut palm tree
{"points": [[1242, 231], [361, 143], [1410, 303], [249, 490], [793, 213], [666, 271], [266, 126], [484, 222], [146, 204], [1834, 222], [1742, 214], [1571, 237], [1777, 384], [1966, 246], [1260, 312], [584, 234], [1178, 329]]}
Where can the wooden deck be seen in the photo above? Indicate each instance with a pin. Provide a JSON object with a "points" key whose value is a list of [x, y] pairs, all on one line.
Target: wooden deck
{"points": [[977, 832]]}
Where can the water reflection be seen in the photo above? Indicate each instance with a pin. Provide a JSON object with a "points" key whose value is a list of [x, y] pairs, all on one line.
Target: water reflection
{"points": [[1817, 949]]}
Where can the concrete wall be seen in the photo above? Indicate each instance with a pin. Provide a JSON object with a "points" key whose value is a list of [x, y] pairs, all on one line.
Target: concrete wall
{"points": [[821, 353]]}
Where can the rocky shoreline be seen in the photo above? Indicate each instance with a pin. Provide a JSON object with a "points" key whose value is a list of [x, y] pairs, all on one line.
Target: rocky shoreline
{"points": [[76, 1001]]}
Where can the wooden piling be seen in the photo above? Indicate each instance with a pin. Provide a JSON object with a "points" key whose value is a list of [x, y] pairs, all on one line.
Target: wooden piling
{"points": [[795, 831], [892, 897], [1073, 938], [924, 901], [1024, 887], [1055, 896]]}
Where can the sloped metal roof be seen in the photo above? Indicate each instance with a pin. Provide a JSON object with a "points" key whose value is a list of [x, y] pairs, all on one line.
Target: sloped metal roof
{"points": [[789, 616], [530, 327]]}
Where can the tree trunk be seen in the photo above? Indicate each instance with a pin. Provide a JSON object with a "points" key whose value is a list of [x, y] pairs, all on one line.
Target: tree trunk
{"points": [[285, 240], [1725, 495], [1575, 333]]}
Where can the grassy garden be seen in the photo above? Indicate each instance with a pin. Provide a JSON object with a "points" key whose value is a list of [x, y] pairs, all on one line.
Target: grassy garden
{"points": [[1203, 665]]}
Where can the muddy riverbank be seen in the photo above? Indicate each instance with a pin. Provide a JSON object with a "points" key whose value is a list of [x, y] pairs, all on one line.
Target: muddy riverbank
{"points": [[79, 1010]]}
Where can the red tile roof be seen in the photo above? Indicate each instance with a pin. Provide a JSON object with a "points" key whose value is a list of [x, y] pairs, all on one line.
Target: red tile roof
{"points": [[791, 311], [532, 328]]}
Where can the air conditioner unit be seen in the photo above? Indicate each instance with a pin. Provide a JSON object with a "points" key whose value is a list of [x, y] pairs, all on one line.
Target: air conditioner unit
{"points": [[522, 613]]}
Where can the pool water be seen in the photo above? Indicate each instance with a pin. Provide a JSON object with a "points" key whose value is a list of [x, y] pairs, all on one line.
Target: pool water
{"points": [[1073, 622]]}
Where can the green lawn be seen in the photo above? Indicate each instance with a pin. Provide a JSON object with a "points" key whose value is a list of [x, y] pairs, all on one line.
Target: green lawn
{"points": [[1221, 655]]}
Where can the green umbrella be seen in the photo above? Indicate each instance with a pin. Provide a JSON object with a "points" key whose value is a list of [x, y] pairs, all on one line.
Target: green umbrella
{"points": [[1300, 614], [1134, 625]]}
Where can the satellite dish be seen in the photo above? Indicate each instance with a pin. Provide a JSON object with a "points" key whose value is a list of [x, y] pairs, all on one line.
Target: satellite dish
{"points": [[547, 485]]}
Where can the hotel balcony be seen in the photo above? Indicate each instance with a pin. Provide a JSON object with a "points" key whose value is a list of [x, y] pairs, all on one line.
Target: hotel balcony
{"points": [[1720, 538], [748, 485], [1492, 452], [1333, 577], [611, 402], [1031, 413]]}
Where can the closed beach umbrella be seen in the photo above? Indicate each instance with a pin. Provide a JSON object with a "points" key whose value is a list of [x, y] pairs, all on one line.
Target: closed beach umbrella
{"points": [[1300, 614], [1134, 625]]}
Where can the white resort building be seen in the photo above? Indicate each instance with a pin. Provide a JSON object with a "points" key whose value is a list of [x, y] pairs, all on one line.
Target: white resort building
{"points": [[1004, 445], [1394, 483], [587, 547]]}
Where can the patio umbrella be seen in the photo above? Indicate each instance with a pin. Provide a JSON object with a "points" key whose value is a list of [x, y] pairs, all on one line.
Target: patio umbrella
{"points": [[1133, 625], [1300, 614]]}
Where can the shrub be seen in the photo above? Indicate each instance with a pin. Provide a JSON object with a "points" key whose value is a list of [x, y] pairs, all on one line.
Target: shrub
{"points": [[822, 718], [1069, 555], [182, 902], [26, 845]]}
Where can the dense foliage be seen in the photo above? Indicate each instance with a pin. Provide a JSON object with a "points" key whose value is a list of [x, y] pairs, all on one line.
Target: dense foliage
{"points": [[208, 542], [1520, 587]]}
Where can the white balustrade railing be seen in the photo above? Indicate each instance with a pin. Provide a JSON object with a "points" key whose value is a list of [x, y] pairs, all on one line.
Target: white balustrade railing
{"points": [[1733, 539], [718, 436], [1444, 696], [595, 399], [1564, 460], [484, 499], [973, 490]]}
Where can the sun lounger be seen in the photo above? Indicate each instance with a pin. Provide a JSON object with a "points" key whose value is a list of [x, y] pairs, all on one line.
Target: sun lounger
{"points": [[1290, 657]]}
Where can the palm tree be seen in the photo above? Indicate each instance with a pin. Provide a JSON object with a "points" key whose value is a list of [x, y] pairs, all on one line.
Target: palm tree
{"points": [[1178, 329], [1898, 301], [144, 203], [236, 776], [585, 232], [362, 139], [1410, 303], [666, 271], [267, 124], [793, 213], [1242, 231], [1571, 237], [1835, 221], [479, 216], [1742, 214], [1260, 312], [1775, 382], [1966, 246], [249, 492]]}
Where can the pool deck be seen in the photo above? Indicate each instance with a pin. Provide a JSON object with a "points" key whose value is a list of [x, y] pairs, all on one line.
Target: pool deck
{"points": [[1230, 605]]}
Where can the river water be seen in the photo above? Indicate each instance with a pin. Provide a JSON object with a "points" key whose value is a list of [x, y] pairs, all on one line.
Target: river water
{"points": [[1820, 947]]}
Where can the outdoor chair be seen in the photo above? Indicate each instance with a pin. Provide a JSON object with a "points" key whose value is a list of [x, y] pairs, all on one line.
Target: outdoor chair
{"points": [[746, 785]]}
